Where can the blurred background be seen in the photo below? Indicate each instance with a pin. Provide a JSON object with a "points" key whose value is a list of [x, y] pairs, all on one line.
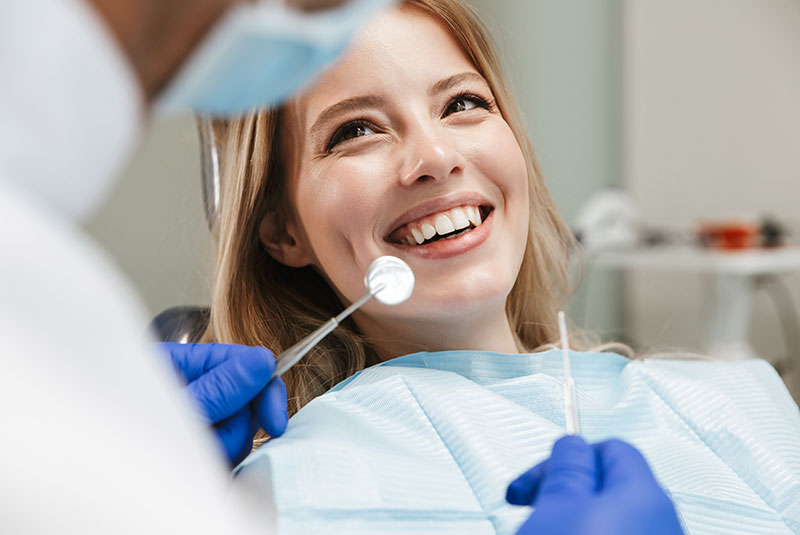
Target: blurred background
{"points": [[689, 107]]}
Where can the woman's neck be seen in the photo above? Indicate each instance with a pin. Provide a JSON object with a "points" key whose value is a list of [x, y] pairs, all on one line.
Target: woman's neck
{"points": [[485, 332]]}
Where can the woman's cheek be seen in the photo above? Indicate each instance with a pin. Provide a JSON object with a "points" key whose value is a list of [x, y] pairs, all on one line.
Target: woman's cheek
{"points": [[361, 178], [508, 159], [346, 209], [501, 158]]}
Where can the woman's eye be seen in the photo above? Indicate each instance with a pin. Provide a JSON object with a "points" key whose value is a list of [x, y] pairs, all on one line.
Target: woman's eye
{"points": [[350, 130], [465, 103]]}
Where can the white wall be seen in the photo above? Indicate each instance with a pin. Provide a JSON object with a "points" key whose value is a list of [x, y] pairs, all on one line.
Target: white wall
{"points": [[153, 223], [712, 129]]}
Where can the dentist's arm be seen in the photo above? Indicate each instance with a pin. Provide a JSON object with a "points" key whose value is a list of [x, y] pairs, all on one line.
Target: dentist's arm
{"points": [[599, 489], [231, 388]]}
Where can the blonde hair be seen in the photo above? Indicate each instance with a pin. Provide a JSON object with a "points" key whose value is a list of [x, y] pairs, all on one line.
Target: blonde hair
{"points": [[258, 301]]}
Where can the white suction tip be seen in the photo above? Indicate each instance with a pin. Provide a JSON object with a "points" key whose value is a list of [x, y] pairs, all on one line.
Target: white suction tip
{"points": [[389, 280]]}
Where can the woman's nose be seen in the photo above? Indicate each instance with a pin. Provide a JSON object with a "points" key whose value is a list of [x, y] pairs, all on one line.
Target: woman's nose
{"points": [[430, 155]]}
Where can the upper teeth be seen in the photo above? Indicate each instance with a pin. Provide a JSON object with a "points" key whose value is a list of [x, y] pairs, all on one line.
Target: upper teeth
{"points": [[442, 223]]}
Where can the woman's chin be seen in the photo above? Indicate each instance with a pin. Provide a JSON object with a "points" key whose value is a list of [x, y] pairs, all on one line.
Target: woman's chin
{"points": [[461, 307]]}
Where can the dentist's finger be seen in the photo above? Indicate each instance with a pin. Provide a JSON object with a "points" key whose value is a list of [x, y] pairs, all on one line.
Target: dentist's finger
{"points": [[236, 435], [233, 383], [271, 408], [571, 471], [523, 490]]}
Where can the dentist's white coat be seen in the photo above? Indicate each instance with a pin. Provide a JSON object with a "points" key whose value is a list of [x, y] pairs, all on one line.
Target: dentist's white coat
{"points": [[95, 436]]}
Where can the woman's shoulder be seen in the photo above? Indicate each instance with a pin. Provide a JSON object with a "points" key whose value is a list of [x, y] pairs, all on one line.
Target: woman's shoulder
{"points": [[750, 386]]}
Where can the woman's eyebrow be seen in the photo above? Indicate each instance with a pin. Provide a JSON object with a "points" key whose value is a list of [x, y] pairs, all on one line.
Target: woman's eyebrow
{"points": [[346, 106], [457, 79]]}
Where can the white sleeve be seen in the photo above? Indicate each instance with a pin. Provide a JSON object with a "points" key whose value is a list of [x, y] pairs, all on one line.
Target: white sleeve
{"points": [[95, 435], [71, 106]]}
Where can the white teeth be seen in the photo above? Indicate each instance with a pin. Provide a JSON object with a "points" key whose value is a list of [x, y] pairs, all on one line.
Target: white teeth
{"points": [[460, 219], [428, 231], [444, 225], [474, 215]]}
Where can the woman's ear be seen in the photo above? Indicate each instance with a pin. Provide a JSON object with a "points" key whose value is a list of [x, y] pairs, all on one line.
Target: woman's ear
{"points": [[280, 242]]}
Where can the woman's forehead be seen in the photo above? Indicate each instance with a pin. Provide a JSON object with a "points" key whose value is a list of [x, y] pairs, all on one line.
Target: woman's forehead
{"points": [[400, 52]]}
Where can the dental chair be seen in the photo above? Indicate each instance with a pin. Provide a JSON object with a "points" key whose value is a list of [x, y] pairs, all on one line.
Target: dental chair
{"points": [[182, 324], [186, 324]]}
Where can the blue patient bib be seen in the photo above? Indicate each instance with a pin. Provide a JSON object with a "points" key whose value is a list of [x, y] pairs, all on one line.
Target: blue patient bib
{"points": [[427, 443]]}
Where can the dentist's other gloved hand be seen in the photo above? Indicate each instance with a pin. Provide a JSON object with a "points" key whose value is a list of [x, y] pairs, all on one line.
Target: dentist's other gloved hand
{"points": [[231, 388], [599, 489]]}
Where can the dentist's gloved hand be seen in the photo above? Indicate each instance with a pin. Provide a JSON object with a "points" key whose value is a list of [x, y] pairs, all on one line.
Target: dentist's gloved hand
{"points": [[231, 388], [599, 489]]}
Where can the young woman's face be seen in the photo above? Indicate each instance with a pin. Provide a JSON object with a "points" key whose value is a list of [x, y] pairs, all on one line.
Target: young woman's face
{"points": [[400, 150]]}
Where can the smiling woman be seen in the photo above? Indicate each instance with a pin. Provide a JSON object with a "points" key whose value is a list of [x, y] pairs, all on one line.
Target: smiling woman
{"points": [[410, 146]]}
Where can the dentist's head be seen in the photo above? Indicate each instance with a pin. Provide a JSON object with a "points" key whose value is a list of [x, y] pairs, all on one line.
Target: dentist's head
{"points": [[411, 146], [158, 37], [177, 54]]}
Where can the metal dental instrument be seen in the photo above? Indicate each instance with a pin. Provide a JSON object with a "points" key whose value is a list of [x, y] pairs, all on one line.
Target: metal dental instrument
{"points": [[388, 279], [570, 402], [210, 168]]}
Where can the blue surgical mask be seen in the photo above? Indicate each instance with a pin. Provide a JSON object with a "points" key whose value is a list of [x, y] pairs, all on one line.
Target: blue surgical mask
{"points": [[260, 54]]}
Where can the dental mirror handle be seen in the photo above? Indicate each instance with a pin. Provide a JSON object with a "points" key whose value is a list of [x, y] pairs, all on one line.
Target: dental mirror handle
{"points": [[289, 358]]}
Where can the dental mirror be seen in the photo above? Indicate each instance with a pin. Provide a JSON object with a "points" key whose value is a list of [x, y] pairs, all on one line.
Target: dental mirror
{"points": [[388, 279]]}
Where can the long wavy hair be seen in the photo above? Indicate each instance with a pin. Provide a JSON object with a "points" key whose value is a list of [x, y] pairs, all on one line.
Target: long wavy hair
{"points": [[258, 301]]}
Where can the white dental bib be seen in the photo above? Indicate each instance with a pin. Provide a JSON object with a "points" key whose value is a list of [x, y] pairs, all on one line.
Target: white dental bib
{"points": [[427, 443]]}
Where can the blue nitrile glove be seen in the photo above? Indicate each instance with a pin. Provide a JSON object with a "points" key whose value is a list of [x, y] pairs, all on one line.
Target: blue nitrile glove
{"points": [[231, 388], [599, 489]]}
